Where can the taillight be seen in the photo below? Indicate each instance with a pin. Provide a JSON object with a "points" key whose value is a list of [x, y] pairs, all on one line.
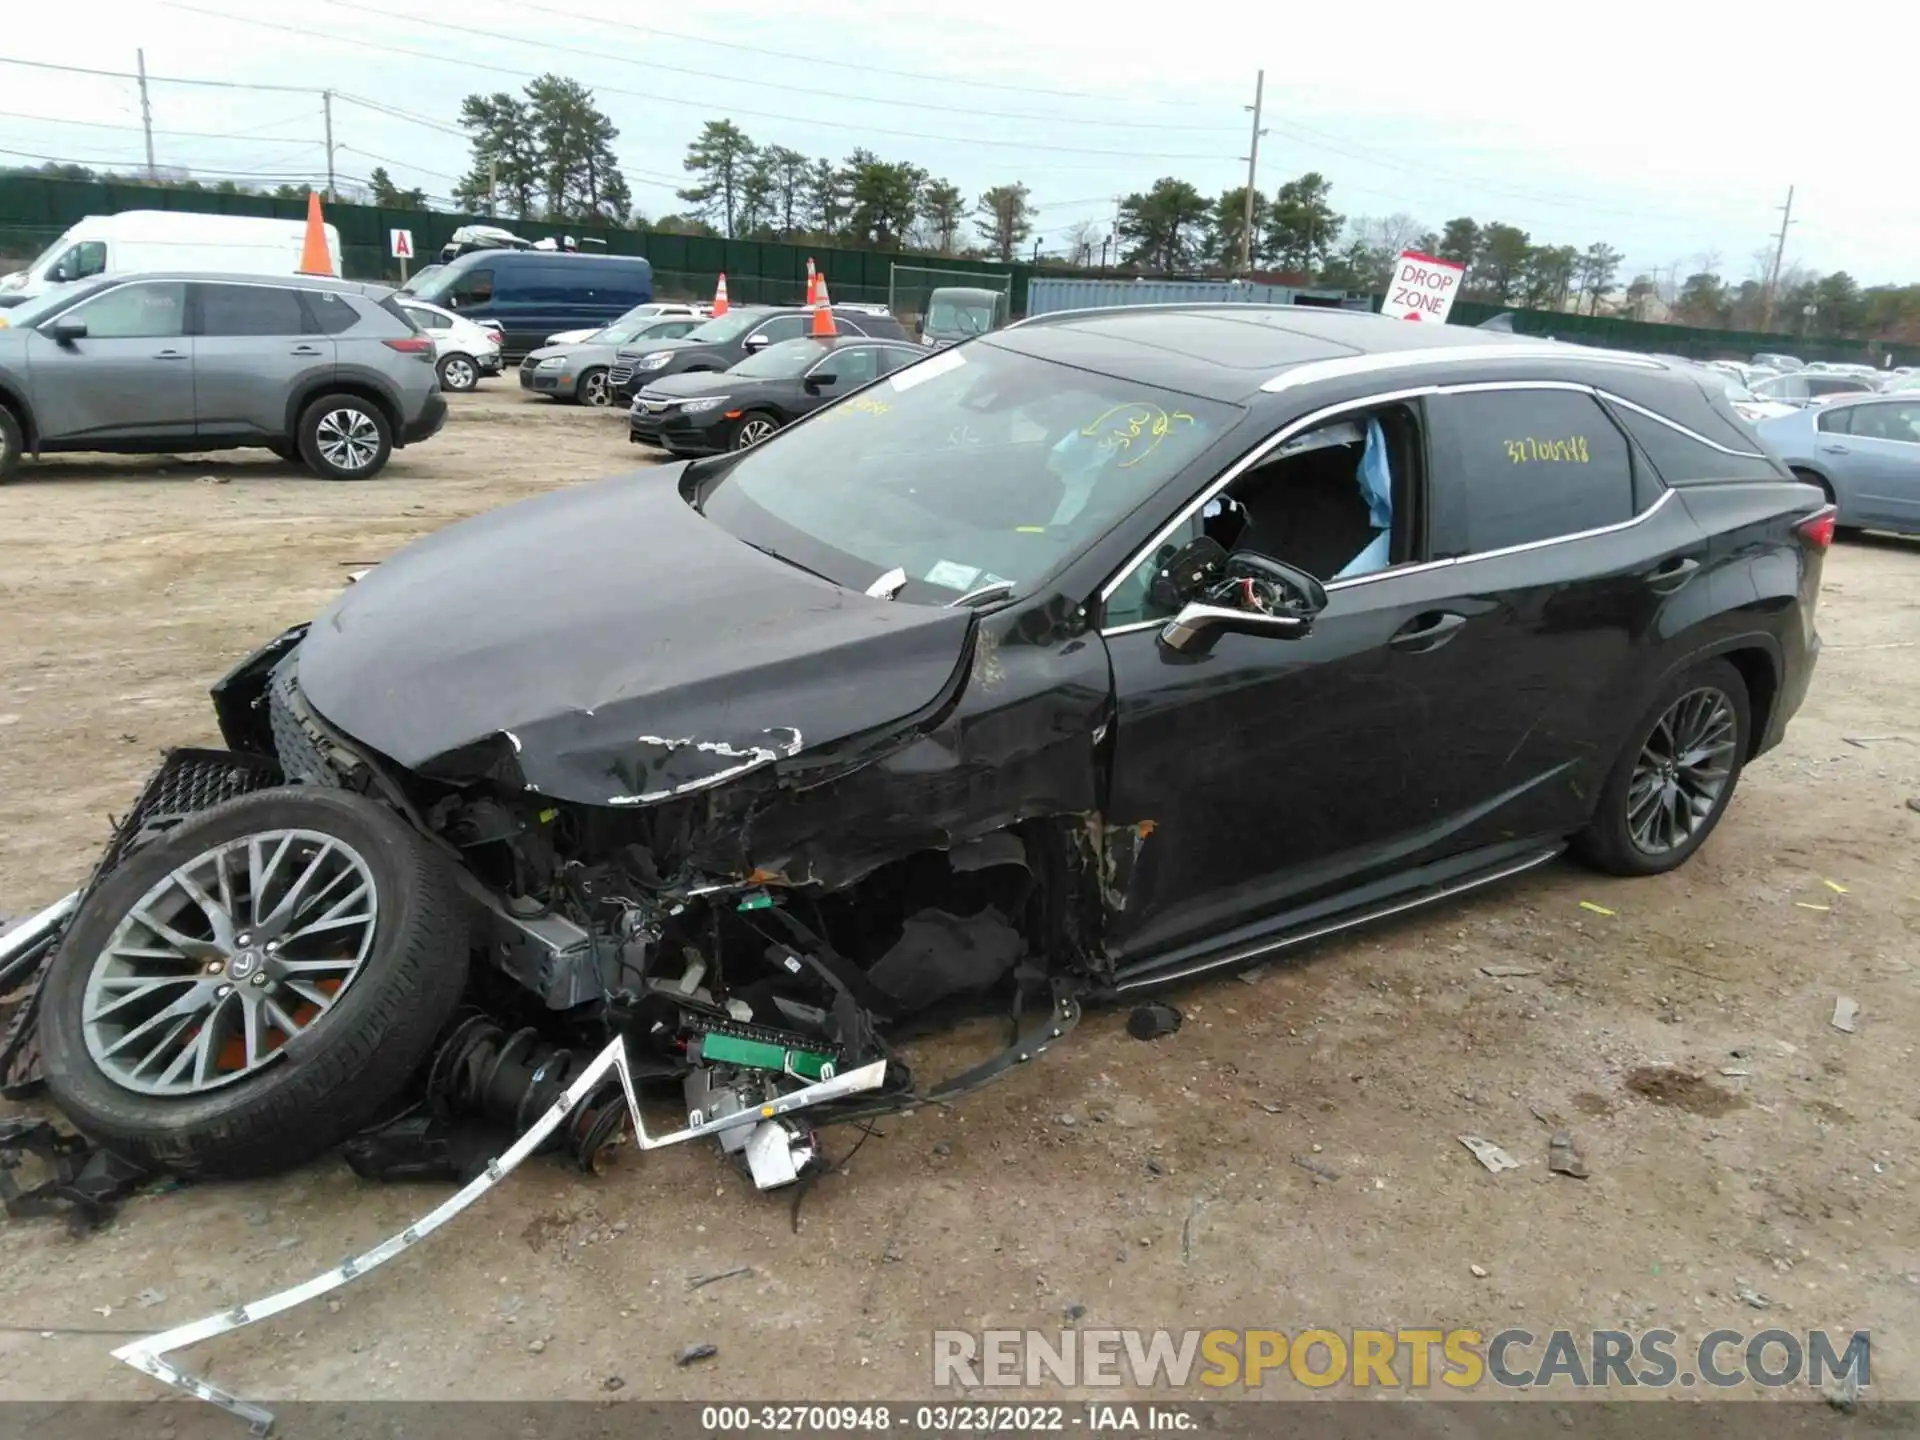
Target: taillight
{"points": [[412, 345], [1817, 530]]}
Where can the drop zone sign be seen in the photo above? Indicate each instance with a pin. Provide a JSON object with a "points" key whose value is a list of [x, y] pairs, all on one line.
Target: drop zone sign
{"points": [[1422, 288]]}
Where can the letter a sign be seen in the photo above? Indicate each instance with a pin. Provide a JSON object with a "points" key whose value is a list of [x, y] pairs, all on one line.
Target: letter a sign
{"points": [[1423, 288], [402, 242]]}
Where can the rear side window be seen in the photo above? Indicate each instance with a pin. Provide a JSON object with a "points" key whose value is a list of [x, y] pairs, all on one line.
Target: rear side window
{"points": [[250, 310], [1838, 420], [1530, 465], [328, 313], [1683, 458]]}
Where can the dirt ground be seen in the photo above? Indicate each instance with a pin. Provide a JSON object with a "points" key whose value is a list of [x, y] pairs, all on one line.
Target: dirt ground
{"points": [[1289, 1158]]}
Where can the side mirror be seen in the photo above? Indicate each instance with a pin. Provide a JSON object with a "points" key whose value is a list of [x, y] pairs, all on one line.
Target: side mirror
{"points": [[1187, 572], [755, 342], [1199, 624], [817, 383], [1202, 621], [60, 275], [66, 331]]}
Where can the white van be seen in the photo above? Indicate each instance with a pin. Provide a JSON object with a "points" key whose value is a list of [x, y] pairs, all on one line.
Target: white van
{"points": [[137, 240]]}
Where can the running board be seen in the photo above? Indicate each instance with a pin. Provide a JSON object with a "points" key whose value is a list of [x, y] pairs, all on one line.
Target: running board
{"points": [[1287, 939]]}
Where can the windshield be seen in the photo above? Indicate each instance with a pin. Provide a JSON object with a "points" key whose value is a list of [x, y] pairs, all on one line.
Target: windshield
{"points": [[975, 466], [782, 361], [413, 286], [726, 327], [948, 317]]}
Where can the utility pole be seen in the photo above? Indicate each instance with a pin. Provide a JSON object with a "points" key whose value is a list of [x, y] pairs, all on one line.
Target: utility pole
{"points": [[1779, 253], [146, 113], [1253, 161], [326, 108], [493, 188]]}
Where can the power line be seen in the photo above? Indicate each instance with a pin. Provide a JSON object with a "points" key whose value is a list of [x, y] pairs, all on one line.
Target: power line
{"points": [[159, 79], [381, 108], [521, 75], [403, 164], [737, 46], [170, 134], [1104, 122], [135, 165]]}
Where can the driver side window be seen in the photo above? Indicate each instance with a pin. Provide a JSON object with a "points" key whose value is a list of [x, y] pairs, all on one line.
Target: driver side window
{"points": [[1335, 501]]}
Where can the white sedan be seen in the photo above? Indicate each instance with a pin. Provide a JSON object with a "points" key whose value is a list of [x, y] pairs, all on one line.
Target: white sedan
{"points": [[652, 310], [463, 349]]}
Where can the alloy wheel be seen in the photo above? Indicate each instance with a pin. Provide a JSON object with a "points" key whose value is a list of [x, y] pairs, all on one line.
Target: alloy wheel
{"points": [[594, 390], [458, 374], [227, 958], [348, 439], [1682, 772], [752, 432]]}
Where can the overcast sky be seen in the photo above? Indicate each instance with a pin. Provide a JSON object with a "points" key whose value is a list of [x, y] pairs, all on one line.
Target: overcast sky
{"points": [[1669, 130]]}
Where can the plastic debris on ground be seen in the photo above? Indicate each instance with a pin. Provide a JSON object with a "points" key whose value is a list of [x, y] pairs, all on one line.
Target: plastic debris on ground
{"points": [[77, 1180], [1151, 1021], [1489, 1154], [1596, 909], [1846, 1012]]}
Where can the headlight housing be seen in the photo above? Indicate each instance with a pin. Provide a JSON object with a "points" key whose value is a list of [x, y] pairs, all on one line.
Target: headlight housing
{"points": [[552, 362], [703, 404], [654, 361]]}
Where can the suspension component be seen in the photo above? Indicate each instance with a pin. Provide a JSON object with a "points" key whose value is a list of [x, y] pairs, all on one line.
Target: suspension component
{"points": [[512, 1077]]}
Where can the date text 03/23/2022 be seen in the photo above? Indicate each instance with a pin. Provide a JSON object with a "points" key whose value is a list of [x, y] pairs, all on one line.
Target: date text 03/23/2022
{"points": [[948, 1419]]}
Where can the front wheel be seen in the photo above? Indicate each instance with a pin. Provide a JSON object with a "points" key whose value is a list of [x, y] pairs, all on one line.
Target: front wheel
{"points": [[754, 426], [254, 986], [10, 442], [593, 390], [343, 437], [459, 373], [1672, 783]]}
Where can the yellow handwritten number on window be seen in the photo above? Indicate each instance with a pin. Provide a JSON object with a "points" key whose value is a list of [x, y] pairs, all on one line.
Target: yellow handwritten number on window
{"points": [[1135, 429], [1570, 451]]}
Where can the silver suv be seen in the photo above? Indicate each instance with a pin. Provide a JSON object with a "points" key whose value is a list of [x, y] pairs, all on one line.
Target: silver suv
{"points": [[331, 372]]}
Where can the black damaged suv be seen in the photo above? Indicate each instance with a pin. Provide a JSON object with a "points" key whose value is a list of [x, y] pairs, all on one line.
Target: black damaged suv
{"points": [[1101, 651]]}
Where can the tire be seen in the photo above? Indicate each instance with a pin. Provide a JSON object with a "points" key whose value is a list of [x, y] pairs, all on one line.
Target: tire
{"points": [[11, 443], [458, 373], [1612, 841], [592, 389], [266, 1106], [286, 451], [349, 427], [752, 428]]}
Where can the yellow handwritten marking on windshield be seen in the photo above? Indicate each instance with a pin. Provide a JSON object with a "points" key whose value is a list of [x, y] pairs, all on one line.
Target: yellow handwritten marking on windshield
{"points": [[1136, 428], [1572, 450], [1030, 529], [859, 405]]}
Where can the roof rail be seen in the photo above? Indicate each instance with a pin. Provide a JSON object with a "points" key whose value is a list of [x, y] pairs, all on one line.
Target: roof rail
{"points": [[1310, 371]]}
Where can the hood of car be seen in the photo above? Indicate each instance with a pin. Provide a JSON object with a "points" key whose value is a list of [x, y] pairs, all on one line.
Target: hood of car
{"points": [[606, 644], [580, 353], [704, 382]]}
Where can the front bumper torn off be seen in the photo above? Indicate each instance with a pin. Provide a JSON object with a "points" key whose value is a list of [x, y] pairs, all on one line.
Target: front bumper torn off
{"points": [[150, 1354]]}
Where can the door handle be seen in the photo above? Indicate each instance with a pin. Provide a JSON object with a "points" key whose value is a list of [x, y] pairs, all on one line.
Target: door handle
{"points": [[170, 355], [304, 350], [1835, 450], [1671, 576], [1427, 631]]}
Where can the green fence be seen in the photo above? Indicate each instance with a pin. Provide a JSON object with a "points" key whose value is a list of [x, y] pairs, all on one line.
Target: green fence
{"points": [[34, 210]]}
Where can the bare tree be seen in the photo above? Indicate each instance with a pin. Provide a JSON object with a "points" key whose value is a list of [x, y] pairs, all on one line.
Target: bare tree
{"points": [[1082, 239]]}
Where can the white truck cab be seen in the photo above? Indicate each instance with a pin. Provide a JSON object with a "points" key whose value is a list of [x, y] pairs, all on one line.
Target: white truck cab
{"points": [[172, 240]]}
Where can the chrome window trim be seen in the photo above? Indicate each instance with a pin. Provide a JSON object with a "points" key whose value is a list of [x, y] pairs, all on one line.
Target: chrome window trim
{"points": [[1347, 366], [1308, 421], [1660, 419]]}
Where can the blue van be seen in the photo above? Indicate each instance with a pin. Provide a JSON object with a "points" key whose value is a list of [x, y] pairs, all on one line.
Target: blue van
{"points": [[530, 294]]}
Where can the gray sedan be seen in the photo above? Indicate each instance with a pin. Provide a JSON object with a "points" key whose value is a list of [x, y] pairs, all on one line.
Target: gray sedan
{"points": [[578, 372], [1865, 453]]}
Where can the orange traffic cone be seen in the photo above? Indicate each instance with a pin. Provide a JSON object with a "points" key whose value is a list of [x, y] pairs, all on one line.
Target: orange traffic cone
{"points": [[822, 311], [315, 259], [720, 296], [813, 283]]}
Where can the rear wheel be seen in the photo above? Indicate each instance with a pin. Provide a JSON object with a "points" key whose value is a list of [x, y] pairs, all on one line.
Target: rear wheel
{"points": [[255, 986], [754, 426], [592, 388], [458, 372], [1672, 783], [343, 437], [10, 443]]}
